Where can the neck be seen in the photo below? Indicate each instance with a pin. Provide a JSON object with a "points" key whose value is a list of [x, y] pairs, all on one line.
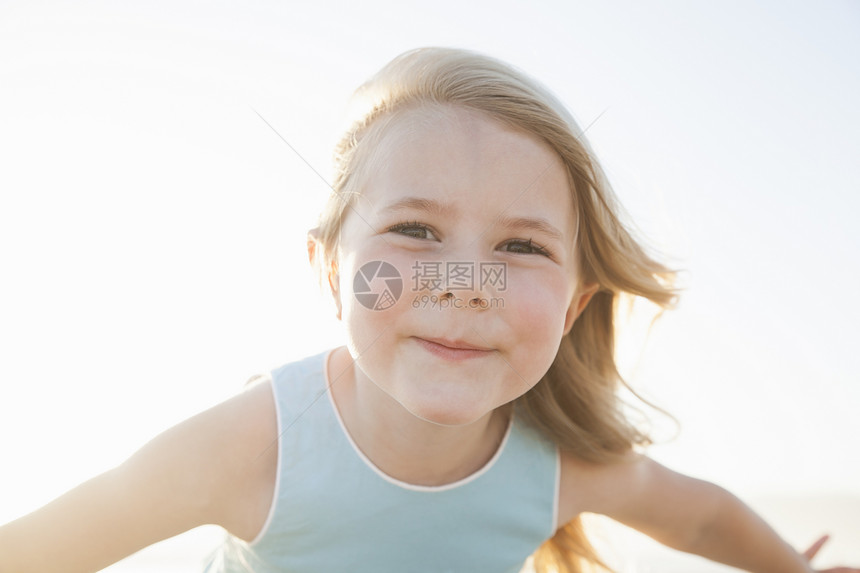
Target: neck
{"points": [[400, 444]]}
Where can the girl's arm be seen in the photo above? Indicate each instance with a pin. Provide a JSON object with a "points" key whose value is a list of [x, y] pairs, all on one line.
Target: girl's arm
{"points": [[217, 467], [687, 514]]}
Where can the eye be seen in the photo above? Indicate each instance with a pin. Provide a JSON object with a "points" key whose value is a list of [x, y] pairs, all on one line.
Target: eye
{"points": [[525, 247], [418, 230], [412, 229]]}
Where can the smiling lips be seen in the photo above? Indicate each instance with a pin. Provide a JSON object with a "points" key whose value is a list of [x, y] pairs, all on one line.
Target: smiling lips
{"points": [[453, 349]]}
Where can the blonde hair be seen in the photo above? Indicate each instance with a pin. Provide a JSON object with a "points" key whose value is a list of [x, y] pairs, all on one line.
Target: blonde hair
{"points": [[576, 403]]}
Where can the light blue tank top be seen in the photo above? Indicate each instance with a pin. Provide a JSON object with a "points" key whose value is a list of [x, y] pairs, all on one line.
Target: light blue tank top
{"points": [[333, 510]]}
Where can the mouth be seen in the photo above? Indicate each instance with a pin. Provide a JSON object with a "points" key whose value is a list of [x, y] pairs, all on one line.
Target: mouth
{"points": [[453, 349]]}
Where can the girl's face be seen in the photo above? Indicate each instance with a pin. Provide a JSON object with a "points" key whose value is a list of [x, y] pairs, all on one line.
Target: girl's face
{"points": [[457, 200]]}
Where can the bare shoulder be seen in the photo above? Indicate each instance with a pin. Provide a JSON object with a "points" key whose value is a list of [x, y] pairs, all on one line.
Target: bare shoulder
{"points": [[220, 465], [620, 489], [588, 486], [636, 491], [216, 467]]}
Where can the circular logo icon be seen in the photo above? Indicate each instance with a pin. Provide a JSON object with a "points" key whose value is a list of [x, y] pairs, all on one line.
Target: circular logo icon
{"points": [[381, 293]]}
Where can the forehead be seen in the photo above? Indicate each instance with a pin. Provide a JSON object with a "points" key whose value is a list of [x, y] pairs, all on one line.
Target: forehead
{"points": [[458, 156]]}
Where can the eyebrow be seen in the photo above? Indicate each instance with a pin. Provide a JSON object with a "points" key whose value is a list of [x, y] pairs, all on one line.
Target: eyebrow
{"points": [[435, 207]]}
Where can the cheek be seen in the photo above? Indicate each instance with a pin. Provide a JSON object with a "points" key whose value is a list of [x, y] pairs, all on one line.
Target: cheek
{"points": [[537, 311], [542, 318], [541, 300], [375, 291]]}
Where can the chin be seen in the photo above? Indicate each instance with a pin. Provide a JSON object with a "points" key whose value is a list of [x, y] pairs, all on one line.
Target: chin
{"points": [[448, 414]]}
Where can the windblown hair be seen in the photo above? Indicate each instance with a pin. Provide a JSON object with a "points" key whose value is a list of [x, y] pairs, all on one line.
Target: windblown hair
{"points": [[576, 403]]}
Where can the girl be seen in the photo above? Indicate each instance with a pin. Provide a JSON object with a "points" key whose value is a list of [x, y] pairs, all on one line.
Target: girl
{"points": [[474, 254]]}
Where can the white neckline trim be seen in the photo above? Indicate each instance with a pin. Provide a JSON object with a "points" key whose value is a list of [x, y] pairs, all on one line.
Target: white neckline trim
{"points": [[268, 379], [394, 481]]}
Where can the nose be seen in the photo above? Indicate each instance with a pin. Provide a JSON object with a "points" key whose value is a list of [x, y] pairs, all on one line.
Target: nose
{"points": [[466, 283], [462, 278], [470, 301]]}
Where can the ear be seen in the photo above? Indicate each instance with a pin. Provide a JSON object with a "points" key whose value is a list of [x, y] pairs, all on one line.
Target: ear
{"points": [[316, 258], [334, 284], [313, 245], [578, 304]]}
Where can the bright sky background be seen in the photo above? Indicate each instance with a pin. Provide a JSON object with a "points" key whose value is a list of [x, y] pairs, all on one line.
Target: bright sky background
{"points": [[152, 227]]}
